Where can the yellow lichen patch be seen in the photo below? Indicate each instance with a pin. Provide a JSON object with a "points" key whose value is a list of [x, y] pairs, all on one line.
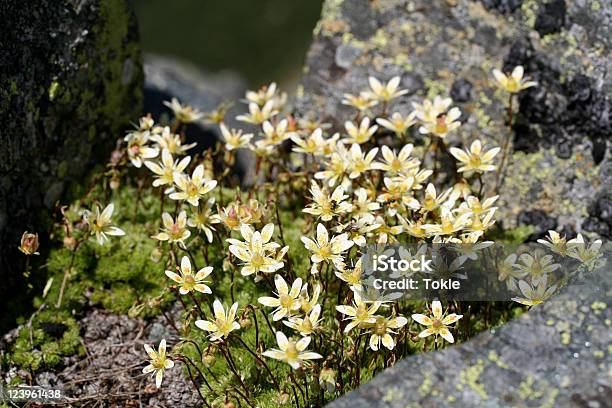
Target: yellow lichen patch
{"points": [[566, 338], [393, 394], [494, 357], [598, 306], [470, 377], [425, 387]]}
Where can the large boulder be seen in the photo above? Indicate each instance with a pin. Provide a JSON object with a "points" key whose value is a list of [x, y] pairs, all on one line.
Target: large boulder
{"points": [[70, 81], [561, 149]]}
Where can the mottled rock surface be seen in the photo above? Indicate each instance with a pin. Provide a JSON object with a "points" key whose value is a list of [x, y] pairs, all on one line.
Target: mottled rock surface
{"points": [[70, 81], [561, 132]]}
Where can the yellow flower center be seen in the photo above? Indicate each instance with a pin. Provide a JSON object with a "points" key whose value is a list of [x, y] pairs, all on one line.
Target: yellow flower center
{"points": [[192, 190], [475, 161], [189, 282], [325, 252], [437, 324], [441, 127], [362, 313], [396, 165], [291, 352], [257, 260], [380, 327], [224, 326], [512, 85], [286, 301], [159, 362], [306, 325]]}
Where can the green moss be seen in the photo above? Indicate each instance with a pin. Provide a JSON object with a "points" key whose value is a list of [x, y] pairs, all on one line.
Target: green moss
{"points": [[53, 335]]}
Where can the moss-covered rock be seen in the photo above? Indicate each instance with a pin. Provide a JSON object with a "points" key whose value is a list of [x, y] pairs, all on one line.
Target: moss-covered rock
{"points": [[70, 81]]}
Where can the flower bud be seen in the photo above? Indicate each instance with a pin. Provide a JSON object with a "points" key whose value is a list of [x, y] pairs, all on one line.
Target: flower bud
{"points": [[327, 379], [29, 243], [156, 254], [70, 243], [114, 183], [283, 398], [245, 322], [208, 359]]}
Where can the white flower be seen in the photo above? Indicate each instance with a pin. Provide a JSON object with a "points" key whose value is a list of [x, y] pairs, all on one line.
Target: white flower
{"points": [[191, 189], [185, 114], [514, 82], [306, 325], [166, 168], [314, 144], [359, 162], [431, 201], [187, 280], [100, 224], [263, 95], [588, 254], [138, 150], [286, 301], [360, 314], [174, 231], [534, 295], [234, 139], [436, 324], [443, 124], [397, 123], [276, 135], [382, 329], [257, 252], [555, 243], [171, 142], [384, 93], [326, 206], [361, 102], [158, 362], [360, 134], [336, 168], [363, 206], [449, 223], [292, 353], [475, 159], [224, 323], [324, 249], [429, 111], [203, 219], [397, 163], [258, 115]]}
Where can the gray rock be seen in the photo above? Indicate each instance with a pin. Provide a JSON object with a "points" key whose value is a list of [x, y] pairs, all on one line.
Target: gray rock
{"points": [[70, 81]]}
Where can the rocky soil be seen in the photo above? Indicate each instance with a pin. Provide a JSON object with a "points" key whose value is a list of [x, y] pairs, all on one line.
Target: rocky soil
{"points": [[110, 374]]}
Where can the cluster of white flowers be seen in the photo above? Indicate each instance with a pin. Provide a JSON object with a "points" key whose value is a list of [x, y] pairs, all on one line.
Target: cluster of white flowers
{"points": [[360, 190]]}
